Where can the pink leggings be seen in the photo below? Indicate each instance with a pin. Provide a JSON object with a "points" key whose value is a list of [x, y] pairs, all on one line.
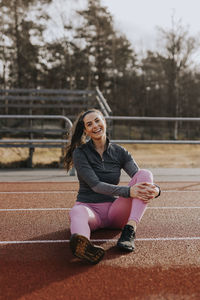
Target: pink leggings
{"points": [[87, 217]]}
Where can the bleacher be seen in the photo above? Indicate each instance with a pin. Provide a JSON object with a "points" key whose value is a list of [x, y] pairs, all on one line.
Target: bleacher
{"points": [[42, 117]]}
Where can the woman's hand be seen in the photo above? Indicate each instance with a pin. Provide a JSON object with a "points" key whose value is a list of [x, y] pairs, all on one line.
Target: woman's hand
{"points": [[144, 191]]}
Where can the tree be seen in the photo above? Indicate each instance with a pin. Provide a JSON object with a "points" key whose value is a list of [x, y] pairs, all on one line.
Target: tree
{"points": [[110, 55], [65, 66], [96, 37], [153, 93], [18, 31], [175, 59]]}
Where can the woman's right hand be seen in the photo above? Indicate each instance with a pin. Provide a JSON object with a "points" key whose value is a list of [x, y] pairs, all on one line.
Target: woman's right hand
{"points": [[144, 191]]}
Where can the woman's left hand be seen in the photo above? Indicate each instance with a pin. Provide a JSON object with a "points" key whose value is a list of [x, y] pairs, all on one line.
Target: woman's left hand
{"points": [[153, 191], [144, 191]]}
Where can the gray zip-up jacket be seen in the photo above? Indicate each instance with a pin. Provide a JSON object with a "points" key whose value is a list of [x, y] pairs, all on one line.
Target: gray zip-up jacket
{"points": [[99, 177]]}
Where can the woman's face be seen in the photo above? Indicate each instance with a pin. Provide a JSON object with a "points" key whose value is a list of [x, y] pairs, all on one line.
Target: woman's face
{"points": [[95, 125]]}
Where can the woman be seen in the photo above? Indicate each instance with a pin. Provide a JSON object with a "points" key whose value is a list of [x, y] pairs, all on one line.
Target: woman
{"points": [[101, 203]]}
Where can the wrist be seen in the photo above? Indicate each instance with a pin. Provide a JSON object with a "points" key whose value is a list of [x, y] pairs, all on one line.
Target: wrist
{"points": [[159, 191], [129, 192], [132, 194]]}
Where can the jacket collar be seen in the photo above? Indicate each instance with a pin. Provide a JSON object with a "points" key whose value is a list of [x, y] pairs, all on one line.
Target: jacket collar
{"points": [[91, 144]]}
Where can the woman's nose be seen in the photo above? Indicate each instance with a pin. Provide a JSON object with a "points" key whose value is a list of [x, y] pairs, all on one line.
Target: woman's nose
{"points": [[95, 125]]}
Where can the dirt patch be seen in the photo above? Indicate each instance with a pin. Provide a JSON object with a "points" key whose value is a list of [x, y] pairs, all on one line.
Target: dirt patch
{"points": [[166, 156], [18, 157], [150, 155]]}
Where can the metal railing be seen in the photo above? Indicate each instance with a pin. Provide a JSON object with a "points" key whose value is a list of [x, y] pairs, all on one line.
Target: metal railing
{"points": [[34, 142], [103, 103], [152, 118], [170, 119], [50, 117], [120, 118]]}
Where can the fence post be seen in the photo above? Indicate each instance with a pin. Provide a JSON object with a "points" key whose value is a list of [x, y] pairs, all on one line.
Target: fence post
{"points": [[176, 130], [30, 158], [31, 137]]}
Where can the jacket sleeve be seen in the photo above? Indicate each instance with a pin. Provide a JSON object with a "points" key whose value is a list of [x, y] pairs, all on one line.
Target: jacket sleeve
{"points": [[131, 168], [128, 163], [87, 174]]}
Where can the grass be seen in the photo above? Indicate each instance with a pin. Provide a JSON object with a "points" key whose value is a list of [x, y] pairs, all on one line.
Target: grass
{"points": [[165, 156], [146, 155], [18, 157]]}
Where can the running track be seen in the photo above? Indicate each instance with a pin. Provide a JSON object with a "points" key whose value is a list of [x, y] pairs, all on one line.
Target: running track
{"points": [[35, 261]]}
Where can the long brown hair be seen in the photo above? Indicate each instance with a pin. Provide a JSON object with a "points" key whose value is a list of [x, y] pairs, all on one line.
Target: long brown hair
{"points": [[77, 137]]}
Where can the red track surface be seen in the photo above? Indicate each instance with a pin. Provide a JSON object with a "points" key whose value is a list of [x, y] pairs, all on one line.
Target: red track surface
{"points": [[165, 265]]}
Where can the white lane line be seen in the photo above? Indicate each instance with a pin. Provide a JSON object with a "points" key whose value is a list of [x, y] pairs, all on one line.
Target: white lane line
{"points": [[40, 192], [71, 192], [172, 191], [67, 208], [174, 207], [34, 209], [103, 240]]}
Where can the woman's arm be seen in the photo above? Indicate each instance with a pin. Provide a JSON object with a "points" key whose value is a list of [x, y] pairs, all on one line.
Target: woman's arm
{"points": [[130, 167], [144, 191], [87, 174]]}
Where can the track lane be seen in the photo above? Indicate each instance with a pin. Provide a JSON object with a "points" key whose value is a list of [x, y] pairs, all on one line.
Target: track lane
{"points": [[73, 186], [164, 269], [156, 223]]}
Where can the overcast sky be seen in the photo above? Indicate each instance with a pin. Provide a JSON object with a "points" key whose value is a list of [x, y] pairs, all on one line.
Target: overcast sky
{"points": [[138, 19]]}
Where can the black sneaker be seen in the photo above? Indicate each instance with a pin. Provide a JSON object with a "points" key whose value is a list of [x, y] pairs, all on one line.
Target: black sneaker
{"points": [[126, 240], [82, 248]]}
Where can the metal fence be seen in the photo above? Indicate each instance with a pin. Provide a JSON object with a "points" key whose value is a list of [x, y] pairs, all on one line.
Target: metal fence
{"points": [[176, 121], [37, 142], [58, 142]]}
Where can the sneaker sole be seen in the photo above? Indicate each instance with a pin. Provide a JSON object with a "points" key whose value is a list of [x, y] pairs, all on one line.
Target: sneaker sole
{"points": [[125, 248], [82, 248]]}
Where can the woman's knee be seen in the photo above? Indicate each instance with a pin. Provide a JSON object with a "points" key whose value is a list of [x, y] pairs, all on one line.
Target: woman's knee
{"points": [[143, 175], [78, 211]]}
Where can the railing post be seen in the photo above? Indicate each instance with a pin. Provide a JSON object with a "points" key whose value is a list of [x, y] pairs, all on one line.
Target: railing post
{"points": [[31, 137], [30, 157], [176, 130]]}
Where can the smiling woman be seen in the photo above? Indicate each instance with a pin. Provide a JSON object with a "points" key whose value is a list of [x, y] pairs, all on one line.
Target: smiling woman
{"points": [[101, 202]]}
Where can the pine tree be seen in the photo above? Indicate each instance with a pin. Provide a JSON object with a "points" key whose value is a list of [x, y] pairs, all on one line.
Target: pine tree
{"points": [[110, 55], [18, 31]]}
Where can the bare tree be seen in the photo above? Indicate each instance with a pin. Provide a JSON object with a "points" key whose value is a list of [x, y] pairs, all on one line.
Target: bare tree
{"points": [[176, 55]]}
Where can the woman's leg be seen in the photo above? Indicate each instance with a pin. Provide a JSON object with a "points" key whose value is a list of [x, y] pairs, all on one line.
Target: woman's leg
{"points": [[125, 209], [129, 211], [83, 219]]}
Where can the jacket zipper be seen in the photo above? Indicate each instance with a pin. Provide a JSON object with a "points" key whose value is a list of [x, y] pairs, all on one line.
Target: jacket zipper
{"points": [[102, 159], [103, 162]]}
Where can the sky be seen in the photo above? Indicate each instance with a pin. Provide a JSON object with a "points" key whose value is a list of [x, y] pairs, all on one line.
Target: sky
{"points": [[138, 19]]}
